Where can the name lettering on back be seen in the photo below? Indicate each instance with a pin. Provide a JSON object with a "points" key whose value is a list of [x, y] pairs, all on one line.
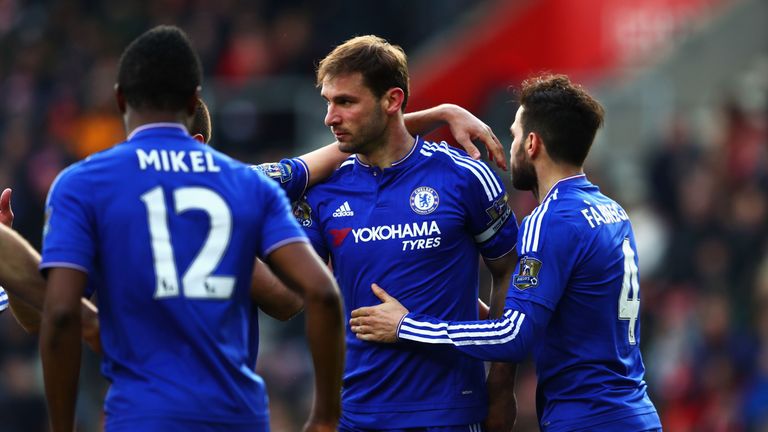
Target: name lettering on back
{"points": [[602, 214], [195, 161]]}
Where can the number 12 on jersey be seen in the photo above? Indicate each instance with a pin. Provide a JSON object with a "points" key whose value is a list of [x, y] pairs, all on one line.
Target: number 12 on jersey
{"points": [[629, 299], [197, 281]]}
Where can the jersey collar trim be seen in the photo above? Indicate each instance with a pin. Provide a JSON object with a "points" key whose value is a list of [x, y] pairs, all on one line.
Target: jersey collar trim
{"points": [[397, 163], [562, 182], [413, 149], [148, 126]]}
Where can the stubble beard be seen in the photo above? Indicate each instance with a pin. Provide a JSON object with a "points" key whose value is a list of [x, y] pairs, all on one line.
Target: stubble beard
{"points": [[367, 138], [524, 175]]}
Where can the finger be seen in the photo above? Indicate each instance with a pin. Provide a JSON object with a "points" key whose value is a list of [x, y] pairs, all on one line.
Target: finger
{"points": [[380, 293], [5, 201], [495, 150], [501, 158], [359, 312], [469, 147]]}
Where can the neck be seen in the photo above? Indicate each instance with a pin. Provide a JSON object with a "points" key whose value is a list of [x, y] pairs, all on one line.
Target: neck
{"points": [[396, 142], [548, 176], [132, 119]]}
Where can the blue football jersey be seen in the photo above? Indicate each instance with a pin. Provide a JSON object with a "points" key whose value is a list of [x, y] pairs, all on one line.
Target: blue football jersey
{"points": [[417, 229], [170, 228], [574, 302]]}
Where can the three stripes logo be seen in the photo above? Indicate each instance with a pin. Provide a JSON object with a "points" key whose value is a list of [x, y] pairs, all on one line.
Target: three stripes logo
{"points": [[343, 210]]}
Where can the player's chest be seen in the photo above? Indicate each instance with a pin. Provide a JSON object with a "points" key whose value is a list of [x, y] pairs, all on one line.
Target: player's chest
{"points": [[425, 218]]}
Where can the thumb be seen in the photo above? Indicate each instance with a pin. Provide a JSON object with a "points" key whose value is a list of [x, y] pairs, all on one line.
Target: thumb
{"points": [[380, 293], [5, 201]]}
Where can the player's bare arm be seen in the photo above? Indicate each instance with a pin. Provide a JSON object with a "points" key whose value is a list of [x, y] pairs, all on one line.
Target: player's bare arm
{"points": [[18, 272], [302, 271], [272, 296], [60, 333], [25, 286], [502, 404], [27, 316]]}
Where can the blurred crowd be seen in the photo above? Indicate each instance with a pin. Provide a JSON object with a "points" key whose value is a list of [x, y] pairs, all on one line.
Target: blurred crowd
{"points": [[705, 332], [702, 226]]}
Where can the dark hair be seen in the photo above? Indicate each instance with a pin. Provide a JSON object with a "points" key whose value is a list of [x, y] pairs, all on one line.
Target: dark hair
{"points": [[159, 70], [201, 123], [383, 65], [563, 114]]}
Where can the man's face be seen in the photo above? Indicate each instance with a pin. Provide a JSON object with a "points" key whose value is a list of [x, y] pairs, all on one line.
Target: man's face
{"points": [[523, 172], [355, 115]]}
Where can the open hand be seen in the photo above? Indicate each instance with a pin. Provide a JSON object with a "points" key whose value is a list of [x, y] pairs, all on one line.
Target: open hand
{"points": [[465, 128], [378, 323]]}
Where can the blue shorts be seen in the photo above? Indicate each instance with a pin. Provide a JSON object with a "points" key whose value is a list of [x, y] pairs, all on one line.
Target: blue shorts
{"points": [[177, 425], [477, 427]]}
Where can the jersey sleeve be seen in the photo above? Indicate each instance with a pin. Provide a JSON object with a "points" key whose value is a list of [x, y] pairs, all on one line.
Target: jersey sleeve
{"points": [[548, 251], [279, 227], [291, 174], [3, 300], [69, 239], [307, 218], [507, 339], [490, 219]]}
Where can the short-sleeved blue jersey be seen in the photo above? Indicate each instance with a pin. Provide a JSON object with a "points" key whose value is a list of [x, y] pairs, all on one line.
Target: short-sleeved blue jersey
{"points": [[417, 229], [574, 301], [170, 229]]}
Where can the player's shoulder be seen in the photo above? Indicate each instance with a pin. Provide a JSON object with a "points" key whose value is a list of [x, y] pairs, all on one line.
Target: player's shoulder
{"points": [[554, 218], [451, 157], [343, 178], [462, 168], [345, 168]]}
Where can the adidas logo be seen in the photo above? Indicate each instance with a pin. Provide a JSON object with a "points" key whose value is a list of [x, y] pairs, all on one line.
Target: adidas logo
{"points": [[343, 210]]}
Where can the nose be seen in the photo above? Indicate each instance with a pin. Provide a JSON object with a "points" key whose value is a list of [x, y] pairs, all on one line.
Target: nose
{"points": [[331, 117]]}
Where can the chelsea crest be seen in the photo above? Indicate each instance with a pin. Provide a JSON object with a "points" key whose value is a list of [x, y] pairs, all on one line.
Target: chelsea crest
{"points": [[424, 200]]}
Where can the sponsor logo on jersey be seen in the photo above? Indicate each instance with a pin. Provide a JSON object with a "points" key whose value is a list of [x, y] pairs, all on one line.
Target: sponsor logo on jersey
{"points": [[424, 200], [414, 236], [338, 235], [396, 232], [276, 171], [343, 210], [527, 274], [303, 213]]}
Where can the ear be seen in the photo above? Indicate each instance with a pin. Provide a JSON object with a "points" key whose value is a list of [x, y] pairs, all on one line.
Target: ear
{"points": [[534, 145], [393, 100], [120, 98], [199, 138]]}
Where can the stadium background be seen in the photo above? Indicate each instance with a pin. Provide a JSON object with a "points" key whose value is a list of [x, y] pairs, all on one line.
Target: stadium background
{"points": [[685, 150]]}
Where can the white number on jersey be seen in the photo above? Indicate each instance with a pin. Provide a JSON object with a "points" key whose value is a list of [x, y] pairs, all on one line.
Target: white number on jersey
{"points": [[197, 282], [629, 299]]}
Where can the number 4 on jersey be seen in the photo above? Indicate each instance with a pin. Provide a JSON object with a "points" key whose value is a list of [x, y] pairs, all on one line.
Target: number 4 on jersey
{"points": [[197, 282], [629, 299]]}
